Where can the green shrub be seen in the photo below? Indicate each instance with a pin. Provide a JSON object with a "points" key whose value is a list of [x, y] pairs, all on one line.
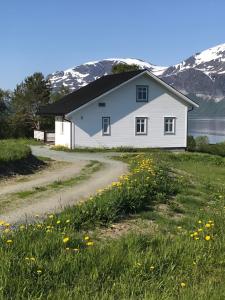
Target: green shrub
{"points": [[201, 141], [13, 150], [191, 144]]}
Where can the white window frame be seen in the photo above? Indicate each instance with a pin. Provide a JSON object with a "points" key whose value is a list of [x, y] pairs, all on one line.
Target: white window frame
{"points": [[108, 132], [168, 121], [137, 93], [143, 120]]}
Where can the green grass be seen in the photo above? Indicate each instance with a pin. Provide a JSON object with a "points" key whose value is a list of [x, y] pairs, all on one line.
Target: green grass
{"points": [[136, 265]]}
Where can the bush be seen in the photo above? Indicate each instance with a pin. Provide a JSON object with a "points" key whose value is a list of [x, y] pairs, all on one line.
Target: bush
{"points": [[191, 144], [201, 141]]}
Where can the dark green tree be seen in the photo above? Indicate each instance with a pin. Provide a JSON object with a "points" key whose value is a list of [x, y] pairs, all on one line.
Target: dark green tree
{"points": [[27, 98], [4, 113], [122, 67], [60, 93]]}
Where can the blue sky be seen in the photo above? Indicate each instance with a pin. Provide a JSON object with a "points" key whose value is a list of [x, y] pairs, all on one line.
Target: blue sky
{"points": [[50, 35]]}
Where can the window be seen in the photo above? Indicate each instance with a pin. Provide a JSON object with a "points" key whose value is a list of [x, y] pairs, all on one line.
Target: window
{"points": [[169, 125], [106, 126], [101, 104], [142, 93], [141, 126]]}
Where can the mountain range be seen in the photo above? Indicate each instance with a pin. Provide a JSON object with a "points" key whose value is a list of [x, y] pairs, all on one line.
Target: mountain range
{"points": [[201, 77]]}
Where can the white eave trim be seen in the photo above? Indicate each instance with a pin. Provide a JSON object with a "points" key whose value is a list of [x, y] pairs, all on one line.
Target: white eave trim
{"points": [[167, 86]]}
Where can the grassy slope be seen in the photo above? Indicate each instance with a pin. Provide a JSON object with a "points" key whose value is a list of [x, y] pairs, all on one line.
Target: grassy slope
{"points": [[16, 157], [136, 266]]}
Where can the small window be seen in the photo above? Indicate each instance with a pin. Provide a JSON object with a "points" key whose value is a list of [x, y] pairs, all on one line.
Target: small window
{"points": [[169, 125], [141, 126], [142, 93], [106, 126], [101, 104]]}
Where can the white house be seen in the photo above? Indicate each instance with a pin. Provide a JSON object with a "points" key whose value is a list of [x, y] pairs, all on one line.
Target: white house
{"points": [[131, 109]]}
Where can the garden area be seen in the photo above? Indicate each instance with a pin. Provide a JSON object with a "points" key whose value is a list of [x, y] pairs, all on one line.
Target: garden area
{"points": [[175, 250]]}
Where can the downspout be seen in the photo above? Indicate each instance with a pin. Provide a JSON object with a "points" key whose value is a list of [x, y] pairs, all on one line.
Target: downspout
{"points": [[192, 107], [71, 137]]}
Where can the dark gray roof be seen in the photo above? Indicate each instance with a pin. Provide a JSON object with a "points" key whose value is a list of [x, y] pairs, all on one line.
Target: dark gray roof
{"points": [[87, 93]]}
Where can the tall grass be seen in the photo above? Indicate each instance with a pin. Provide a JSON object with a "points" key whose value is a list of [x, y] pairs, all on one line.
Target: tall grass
{"points": [[55, 260], [13, 150]]}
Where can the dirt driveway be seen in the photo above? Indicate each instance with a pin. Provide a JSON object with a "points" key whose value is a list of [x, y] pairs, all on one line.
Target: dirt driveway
{"points": [[57, 201]]}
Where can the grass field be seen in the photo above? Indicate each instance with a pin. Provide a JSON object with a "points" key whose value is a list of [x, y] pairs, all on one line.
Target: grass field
{"points": [[16, 157], [65, 257]]}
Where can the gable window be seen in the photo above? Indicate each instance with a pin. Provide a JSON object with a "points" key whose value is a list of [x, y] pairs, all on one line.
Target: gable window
{"points": [[142, 93], [169, 125], [106, 126], [141, 126]]}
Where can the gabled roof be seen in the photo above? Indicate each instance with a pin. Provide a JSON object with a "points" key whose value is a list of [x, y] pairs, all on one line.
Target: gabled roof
{"points": [[87, 93], [98, 88]]}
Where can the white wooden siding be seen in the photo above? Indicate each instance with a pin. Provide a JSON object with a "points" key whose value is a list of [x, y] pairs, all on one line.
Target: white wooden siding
{"points": [[62, 138], [122, 108]]}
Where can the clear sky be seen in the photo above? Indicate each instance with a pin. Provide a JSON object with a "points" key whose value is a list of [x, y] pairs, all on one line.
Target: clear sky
{"points": [[51, 35]]}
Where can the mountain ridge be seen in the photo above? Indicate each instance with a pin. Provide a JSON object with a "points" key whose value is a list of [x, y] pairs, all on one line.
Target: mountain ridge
{"points": [[201, 75]]}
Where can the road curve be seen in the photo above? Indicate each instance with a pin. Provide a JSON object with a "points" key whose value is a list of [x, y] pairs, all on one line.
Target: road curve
{"points": [[57, 201]]}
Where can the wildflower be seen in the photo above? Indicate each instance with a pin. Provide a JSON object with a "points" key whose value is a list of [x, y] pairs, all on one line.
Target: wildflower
{"points": [[76, 249], [67, 248], [183, 284], [26, 258], [90, 243], [86, 238], [200, 229], [67, 221], [207, 225], [39, 271], [207, 237], [7, 230], [152, 268], [51, 216], [58, 222], [66, 239], [179, 227], [9, 241], [195, 233], [32, 258], [199, 222], [2, 223], [37, 216]]}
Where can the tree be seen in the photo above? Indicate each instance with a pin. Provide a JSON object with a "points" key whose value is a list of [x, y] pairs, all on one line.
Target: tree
{"points": [[27, 98], [123, 67], [60, 93], [4, 113]]}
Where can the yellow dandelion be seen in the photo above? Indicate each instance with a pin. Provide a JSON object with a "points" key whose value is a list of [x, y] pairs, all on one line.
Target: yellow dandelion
{"points": [[86, 238], [200, 229], [32, 258], [9, 241], [66, 240], [58, 222], [199, 222], [90, 243], [183, 284], [2, 223], [207, 237], [67, 221], [39, 271], [51, 216], [27, 258], [152, 268], [207, 225]]}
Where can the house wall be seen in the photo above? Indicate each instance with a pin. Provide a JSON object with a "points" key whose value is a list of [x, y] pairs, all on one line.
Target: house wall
{"points": [[62, 132], [122, 108]]}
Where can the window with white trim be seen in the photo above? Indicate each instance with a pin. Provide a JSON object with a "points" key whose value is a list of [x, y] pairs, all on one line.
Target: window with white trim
{"points": [[106, 126], [142, 93], [169, 125], [141, 126]]}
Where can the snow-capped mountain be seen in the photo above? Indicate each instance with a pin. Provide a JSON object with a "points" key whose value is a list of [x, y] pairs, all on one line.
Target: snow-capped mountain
{"points": [[79, 76], [202, 74]]}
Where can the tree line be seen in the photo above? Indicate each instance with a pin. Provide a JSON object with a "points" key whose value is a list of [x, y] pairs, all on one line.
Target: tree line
{"points": [[18, 108]]}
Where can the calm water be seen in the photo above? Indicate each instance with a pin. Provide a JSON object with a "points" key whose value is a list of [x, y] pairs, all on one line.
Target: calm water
{"points": [[213, 128]]}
